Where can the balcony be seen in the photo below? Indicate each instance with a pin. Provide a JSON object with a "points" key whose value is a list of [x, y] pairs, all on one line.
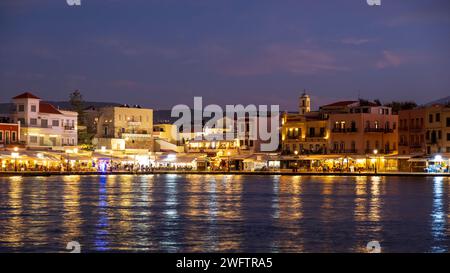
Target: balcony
{"points": [[344, 151], [416, 129], [135, 135], [415, 145], [378, 130], [380, 151], [69, 128], [345, 130]]}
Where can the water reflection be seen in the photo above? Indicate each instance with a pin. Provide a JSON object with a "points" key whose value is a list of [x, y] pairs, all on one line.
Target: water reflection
{"points": [[71, 206], [224, 213], [288, 214], [101, 238], [12, 220], [438, 220], [368, 210]]}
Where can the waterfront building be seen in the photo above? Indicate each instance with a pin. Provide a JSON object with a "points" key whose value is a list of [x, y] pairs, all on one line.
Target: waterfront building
{"points": [[362, 127], [437, 127], [350, 134], [304, 133], [166, 138], [124, 127], [9, 134], [42, 125], [412, 132]]}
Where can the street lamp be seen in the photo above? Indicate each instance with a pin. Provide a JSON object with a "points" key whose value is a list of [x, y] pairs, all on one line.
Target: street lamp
{"points": [[375, 152], [229, 167], [68, 159], [296, 160], [15, 155]]}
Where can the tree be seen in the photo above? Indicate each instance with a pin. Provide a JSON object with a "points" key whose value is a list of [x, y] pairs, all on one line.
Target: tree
{"points": [[77, 103], [401, 105]]}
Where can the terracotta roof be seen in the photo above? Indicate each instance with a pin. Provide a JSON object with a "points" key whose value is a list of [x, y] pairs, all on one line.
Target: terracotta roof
{"points": [[48, 108], [341, 103], [26, 95]]}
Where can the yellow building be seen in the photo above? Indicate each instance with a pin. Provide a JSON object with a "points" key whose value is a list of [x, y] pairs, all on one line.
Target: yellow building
{"points": [[304, 134], [125, 127], [437, 128]]}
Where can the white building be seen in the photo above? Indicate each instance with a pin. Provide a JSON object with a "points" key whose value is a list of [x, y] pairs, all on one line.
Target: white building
{"points": [[42, 124]]}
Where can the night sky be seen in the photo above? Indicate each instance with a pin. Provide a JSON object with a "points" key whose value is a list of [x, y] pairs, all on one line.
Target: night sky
{"points": [[158, 53]]}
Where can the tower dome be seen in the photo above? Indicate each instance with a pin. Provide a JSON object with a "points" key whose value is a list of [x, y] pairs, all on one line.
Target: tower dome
{"points": [[304, 103]]}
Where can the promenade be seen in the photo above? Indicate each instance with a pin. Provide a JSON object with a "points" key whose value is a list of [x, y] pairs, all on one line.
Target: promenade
{"points": [[263, 173]]}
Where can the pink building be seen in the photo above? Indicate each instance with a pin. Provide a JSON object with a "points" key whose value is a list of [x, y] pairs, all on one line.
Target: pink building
{"points": [[361, 127]]}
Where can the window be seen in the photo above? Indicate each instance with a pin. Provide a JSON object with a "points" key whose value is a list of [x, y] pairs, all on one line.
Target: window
{"points": [[33, 108], [13, 136], [33, 121], [438, 117], [1, 135], [20, 108], [448, 136], [44, 123], [21, 121], [448, 122], [322, 131], [33, 139], [55, 123], [430, 118]]}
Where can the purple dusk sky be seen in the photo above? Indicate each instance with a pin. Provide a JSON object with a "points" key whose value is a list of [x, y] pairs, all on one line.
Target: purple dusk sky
{"points": [[163, 52]]}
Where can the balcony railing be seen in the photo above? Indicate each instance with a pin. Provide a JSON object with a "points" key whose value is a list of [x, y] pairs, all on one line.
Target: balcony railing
{"points": [[415, 145], [416, 129], [344, 151], [345, 130], [378, 130], [315, 135], [67, 128], [379, 151]]}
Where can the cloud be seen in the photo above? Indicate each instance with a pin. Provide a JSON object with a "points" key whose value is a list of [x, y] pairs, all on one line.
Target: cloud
{"points": [[274, 58], [391, 59], [126, 84], [130, 49], [355, 41]]}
